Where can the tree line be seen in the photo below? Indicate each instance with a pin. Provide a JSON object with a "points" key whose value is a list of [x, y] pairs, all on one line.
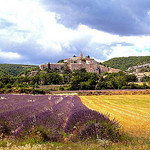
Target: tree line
{"points": [[76, 80]]}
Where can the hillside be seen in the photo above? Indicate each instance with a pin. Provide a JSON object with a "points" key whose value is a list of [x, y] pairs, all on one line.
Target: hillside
{"points": [[2, 72], [124, 63], [14, 69]]}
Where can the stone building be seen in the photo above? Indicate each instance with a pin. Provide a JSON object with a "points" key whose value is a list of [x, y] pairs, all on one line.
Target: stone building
{"points": [[79, 62]]}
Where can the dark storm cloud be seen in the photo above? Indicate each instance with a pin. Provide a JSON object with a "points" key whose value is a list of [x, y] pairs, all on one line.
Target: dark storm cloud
{"points": [[129, 17], [33, 53]]}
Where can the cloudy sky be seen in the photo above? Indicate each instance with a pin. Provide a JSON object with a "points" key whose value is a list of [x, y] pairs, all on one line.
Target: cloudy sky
{"points": [[41, 31]]}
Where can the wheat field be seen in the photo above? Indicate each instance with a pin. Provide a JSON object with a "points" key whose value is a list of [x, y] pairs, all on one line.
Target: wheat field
{"points": [[132, 111]]}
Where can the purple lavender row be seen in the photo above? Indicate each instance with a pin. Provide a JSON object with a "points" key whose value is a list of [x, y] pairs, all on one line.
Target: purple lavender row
{"points": [[13, 102], [53, 120], [52, 115]]}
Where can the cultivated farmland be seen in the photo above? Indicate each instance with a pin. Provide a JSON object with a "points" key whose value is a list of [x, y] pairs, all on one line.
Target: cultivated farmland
{"points": [[133, 111], [53, 118], [62, 119]]}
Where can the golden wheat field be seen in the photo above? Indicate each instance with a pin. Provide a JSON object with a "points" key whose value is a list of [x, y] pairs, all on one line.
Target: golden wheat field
{"points": [[132, 111]]}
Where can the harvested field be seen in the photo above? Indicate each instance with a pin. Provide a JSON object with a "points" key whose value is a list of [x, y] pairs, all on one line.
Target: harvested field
{"points": [[133, 111]]}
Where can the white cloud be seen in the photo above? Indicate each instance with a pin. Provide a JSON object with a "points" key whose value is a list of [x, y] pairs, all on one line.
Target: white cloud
{"points": [[148, 13], [120, 51], [9, 55], [27, 17]]}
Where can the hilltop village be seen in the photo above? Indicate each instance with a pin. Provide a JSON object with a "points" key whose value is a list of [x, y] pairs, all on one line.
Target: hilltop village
{"points": [[75, 63], [75, 73]]}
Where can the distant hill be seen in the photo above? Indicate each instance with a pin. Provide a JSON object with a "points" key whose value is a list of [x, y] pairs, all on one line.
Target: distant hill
{"points": [[123, 63], [14, 69]]}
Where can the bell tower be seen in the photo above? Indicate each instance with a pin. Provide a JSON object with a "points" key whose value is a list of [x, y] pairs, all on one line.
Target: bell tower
{"points": [[81, 56]]}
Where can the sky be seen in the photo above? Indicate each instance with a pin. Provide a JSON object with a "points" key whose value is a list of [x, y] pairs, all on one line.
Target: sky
{"points": [[42, 31]]}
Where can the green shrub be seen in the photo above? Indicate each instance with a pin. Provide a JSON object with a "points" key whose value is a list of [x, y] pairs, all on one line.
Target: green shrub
{"points": [[1, 84], [145, 86], [7, 86], [61, 88]]}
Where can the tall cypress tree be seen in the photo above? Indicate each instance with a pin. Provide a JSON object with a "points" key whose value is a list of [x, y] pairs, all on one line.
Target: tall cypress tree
{"points": [[48, 67]]}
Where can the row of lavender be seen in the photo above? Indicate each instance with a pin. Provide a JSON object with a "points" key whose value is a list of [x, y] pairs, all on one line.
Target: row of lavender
{"points": [[53, 117]]}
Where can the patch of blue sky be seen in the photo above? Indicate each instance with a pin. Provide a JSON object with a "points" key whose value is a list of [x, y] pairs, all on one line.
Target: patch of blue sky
{"points": [[139, 50], [147, 49]]}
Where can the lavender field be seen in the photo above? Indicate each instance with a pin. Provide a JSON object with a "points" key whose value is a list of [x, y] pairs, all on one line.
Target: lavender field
{"points": [[53, 118]]}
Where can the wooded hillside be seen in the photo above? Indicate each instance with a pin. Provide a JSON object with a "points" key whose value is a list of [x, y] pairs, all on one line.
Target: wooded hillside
{"points": [[14, 69], [124, 63], [2, 72]]}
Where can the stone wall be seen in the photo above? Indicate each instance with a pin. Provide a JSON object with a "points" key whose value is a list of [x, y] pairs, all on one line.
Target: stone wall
{"points": [[75, 66], [57, 66], [43, 66], [52, 66], [113, 70], [95, 67]]}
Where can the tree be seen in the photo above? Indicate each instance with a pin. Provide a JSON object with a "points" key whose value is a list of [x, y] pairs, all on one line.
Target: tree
{"points": [[101, 85], [148, 82], [1, 84], [66, 78], [65, 69], [83, 80], [48, 67], [43, 79], [131, 78]]}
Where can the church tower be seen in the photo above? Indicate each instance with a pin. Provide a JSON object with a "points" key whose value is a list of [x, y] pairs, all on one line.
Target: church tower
{"points": [[81, 56]]}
